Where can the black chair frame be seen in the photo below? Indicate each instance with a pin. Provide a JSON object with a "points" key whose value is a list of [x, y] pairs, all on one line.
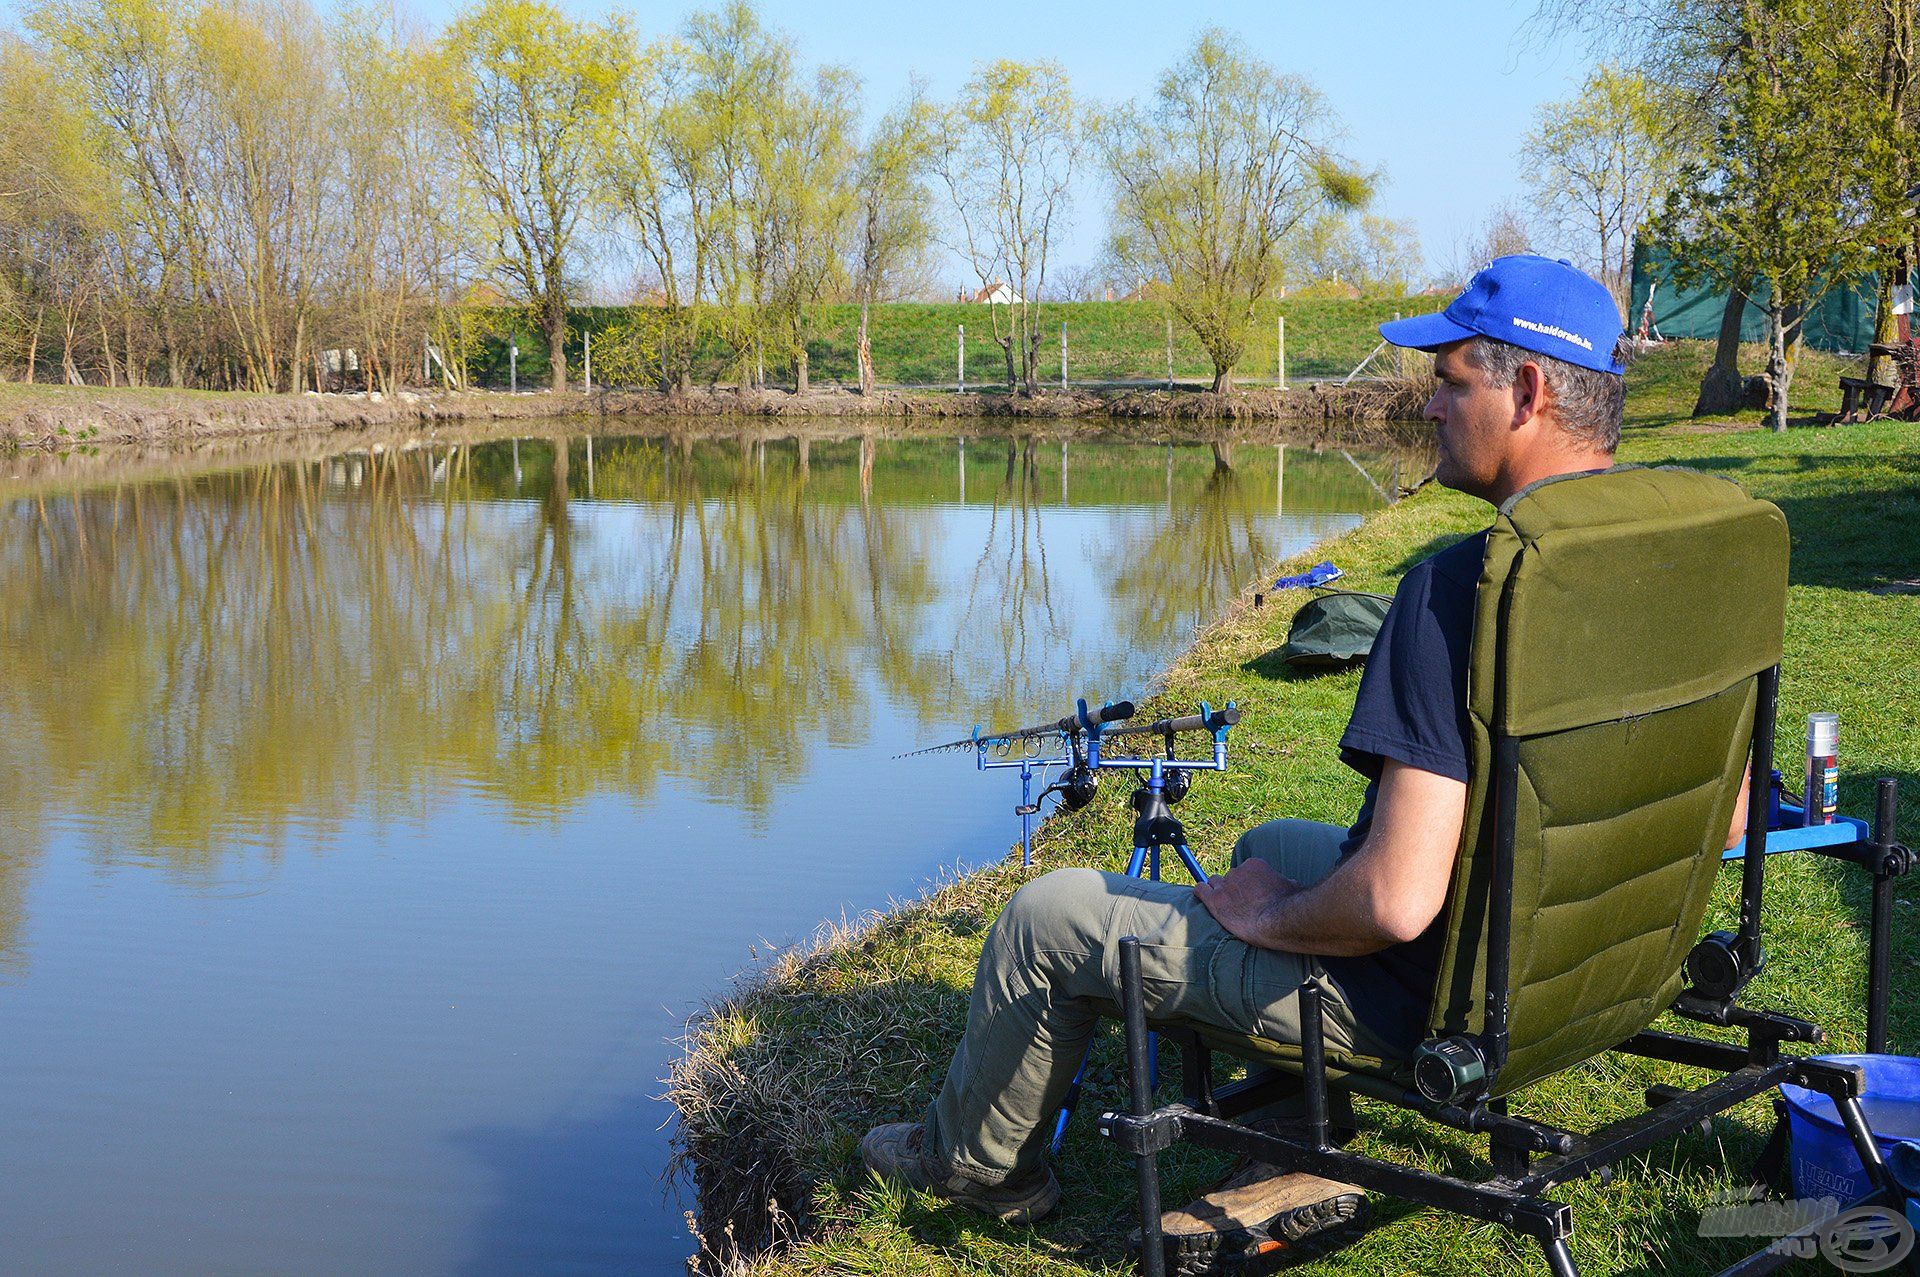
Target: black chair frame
{"points": [[1530, 1158]]}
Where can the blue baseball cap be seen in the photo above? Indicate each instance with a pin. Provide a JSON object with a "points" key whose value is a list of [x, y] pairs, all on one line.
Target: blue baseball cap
{"points": [[1539, 304]]}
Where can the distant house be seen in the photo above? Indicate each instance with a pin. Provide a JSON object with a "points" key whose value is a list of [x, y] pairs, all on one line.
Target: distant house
{"points": [[1145, 291], [998, 293]]}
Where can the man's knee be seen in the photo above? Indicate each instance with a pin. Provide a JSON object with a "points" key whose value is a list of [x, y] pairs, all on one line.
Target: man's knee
{"points": [[1270, 841], [1053, 911], [1304, 850]]}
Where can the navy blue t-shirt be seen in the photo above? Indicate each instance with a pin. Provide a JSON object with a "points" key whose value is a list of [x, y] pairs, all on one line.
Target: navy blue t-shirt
{"points": [[1412, 707]]}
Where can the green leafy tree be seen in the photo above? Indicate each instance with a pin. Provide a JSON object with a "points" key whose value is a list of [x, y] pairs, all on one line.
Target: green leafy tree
{"points": [[1211, 179], [527, 94], [1792, 197], [56, 209]]}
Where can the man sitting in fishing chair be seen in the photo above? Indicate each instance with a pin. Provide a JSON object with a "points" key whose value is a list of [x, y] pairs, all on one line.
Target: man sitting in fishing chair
{"points": [[1529, 390]]}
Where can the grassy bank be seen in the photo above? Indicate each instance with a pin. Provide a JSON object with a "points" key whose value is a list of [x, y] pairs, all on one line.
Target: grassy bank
{"points": [[781, 1080], [914, 343]]}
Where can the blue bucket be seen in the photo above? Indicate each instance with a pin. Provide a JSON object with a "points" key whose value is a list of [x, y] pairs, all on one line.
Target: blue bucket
{"points": [[1824, 1163]]}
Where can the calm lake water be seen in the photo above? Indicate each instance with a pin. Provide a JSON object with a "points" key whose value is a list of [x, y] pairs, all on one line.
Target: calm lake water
{"points": [[371, 823]]}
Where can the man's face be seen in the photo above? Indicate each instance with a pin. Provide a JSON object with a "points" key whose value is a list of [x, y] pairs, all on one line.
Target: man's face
{"points": [[1474, 424]]}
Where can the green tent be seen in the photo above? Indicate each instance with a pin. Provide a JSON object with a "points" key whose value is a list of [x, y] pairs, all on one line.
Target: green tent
{"points": [[1843, 321]]}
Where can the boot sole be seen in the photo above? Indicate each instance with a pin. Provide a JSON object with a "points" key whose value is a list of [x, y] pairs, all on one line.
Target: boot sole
{"points": [[1293, 1235]]}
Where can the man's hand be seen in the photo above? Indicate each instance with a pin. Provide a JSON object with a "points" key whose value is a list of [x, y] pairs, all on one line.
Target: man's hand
{"points": [[1243, 898], [1387, 892]]}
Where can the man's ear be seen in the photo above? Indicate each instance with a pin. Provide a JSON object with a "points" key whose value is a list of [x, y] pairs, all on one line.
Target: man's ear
{"points": [[1529, 394]]}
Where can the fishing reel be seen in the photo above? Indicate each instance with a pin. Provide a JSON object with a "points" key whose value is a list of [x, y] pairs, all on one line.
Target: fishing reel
{"points": [[1076, 789]]}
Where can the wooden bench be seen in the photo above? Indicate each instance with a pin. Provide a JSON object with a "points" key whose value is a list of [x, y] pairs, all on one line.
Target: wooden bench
{"points": [[1857, 393]]}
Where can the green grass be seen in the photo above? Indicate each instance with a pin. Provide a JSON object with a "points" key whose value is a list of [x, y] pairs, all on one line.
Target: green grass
{"points": [[1665, 382], [914, 343], [788, 1074]]}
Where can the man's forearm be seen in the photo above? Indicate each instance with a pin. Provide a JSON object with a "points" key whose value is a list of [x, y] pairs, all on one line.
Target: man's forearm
{"points": [[1333, 918]]}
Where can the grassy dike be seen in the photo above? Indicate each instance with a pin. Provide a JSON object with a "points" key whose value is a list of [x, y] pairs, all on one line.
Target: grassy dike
{"points": [[780, 1080]]}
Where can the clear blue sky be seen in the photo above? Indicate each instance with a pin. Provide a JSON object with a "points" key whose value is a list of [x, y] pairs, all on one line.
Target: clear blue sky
{"points": [[1436, 95]]}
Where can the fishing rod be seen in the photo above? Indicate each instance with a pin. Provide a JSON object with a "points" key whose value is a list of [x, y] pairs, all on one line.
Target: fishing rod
{"points": [[1116, 712], [1080, 760], [1164, 780]]}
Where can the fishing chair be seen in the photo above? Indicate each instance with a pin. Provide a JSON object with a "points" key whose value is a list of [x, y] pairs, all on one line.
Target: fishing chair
{"points": [[1626, 645]]}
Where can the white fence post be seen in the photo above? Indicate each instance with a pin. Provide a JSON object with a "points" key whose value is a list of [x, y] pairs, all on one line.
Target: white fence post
{"points": [[1063, 355], [1280, 347], [587, 375], [960, 344]]}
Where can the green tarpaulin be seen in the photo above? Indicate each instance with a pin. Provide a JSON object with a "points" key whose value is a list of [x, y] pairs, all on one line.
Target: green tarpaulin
{"points": [[1843, 320]]}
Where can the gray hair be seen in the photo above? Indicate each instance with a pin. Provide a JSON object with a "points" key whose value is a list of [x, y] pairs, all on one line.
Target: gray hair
{"points": [[1588, 404]]}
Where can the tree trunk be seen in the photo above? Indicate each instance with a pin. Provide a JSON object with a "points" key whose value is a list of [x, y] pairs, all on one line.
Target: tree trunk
{"points": [[1013, 373], [865, 355], [106, 349], [1720, 390], [33, 343], [1779, 367], [68, 335], [554, 320], [1880, 369], [800, 383], [1222, 380]]}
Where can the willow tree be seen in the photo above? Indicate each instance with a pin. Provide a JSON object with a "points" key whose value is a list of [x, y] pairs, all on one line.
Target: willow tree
{"points": [[1211, 176], [56, 211], [527, 93], [132, 65], [810, 166], [406, 245], [1006, 157], [264, 130]]}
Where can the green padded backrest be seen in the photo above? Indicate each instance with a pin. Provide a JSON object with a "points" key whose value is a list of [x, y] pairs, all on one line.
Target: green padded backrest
{"points": [[1620, 624]]}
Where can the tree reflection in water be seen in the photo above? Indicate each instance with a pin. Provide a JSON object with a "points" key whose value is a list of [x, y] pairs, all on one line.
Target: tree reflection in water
{"points": [[248, 659]]}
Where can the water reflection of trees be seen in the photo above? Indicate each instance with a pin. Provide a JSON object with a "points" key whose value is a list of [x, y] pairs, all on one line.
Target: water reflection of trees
{"points": [[221, 658], [251, 658]]}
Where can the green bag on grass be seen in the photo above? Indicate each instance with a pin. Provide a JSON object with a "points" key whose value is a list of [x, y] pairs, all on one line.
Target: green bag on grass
{"points": [[1335, 629]]}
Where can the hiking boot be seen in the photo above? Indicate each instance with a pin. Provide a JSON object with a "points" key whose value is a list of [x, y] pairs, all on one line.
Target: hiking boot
{"points": [[1259, 1217], [898, 1151]]}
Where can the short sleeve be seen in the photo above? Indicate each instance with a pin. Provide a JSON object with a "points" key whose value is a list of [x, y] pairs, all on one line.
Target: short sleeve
{"points": [[1413, 695]]}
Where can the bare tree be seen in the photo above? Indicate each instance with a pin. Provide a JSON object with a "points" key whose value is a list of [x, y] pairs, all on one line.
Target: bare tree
{"points": [[1005, 157]]}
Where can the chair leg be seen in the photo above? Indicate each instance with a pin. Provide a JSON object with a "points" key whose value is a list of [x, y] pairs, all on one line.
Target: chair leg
{"points": [[1146, 1165], [1559, 1258]]}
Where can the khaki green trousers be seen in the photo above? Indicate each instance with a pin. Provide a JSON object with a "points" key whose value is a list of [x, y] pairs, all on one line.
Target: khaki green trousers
{"points": [[1051, 967]]}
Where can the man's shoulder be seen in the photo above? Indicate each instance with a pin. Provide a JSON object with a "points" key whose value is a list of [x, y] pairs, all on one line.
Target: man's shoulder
{"points": [[1454, 568]]}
